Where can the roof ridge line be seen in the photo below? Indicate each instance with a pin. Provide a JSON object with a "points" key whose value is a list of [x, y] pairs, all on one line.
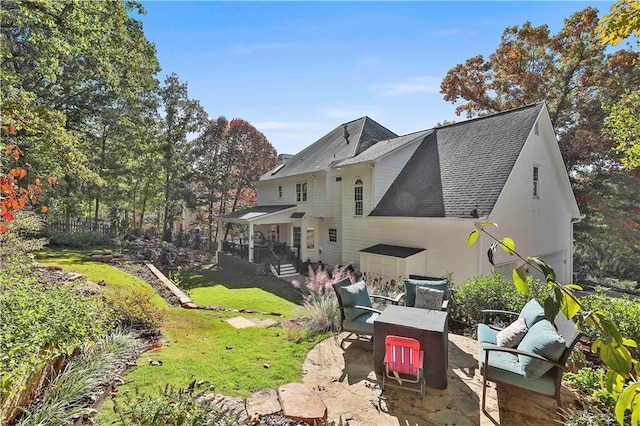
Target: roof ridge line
{"points": [[494, 114]]}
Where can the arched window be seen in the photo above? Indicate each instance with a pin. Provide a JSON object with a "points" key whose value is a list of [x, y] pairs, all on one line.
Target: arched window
{"points": [[358, 193]]}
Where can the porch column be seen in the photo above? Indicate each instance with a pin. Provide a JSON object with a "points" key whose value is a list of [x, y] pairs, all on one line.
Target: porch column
{"points": [[250, 241], [217, 239]]}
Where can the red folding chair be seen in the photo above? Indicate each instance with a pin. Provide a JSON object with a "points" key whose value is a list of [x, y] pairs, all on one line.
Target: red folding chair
{"points": [[403, 361]]}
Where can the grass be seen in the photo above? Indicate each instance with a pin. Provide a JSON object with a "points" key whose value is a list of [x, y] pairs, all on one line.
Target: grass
{"points": [[199, 344]]}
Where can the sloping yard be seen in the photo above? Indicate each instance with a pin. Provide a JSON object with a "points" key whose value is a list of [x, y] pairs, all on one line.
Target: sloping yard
{"points": [[198, 344]]}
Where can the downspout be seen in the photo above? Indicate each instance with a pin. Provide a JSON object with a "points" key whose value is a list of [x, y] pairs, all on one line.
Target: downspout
{"points": [[574, 220], [480, 251], [373, 180], [314, 195]]}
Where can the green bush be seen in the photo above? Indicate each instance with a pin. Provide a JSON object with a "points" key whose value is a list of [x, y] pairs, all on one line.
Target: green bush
{"points": [[622, 311], [133, 308], [80, 239], [589, 383], [183, 407], [39, 323], [19, 242], [492, 291]]}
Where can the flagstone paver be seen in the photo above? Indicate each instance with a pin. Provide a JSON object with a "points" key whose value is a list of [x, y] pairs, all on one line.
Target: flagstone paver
{"points": [[346, 382]]}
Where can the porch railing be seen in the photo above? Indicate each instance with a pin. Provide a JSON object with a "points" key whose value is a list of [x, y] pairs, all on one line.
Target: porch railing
{"points": [[293, 256], [274, 260]]}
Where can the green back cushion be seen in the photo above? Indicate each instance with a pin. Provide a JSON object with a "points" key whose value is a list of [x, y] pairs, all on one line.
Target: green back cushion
{"points": [[542, 339], [410, 285], [532, 313], [354, 294]]}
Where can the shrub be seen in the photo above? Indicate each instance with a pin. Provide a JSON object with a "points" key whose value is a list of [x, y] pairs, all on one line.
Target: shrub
{"points": [[81, 239], [183, 407], [491, 291], [622, 311], [38, 324], [319, 299], [19, 242], [134, 309]]}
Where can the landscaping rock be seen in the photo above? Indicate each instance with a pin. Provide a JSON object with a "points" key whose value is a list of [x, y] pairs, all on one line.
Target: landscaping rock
{"points": [[88, 287], [300, 402], [262, 403]]}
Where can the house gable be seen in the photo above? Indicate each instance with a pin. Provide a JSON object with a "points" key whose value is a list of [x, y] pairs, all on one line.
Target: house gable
{"points": [[459, 170], [345, 141]]}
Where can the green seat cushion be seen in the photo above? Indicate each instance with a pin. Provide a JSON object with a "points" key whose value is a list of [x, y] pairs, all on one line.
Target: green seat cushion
{"points": [[532, 313], [542, 339], [363, 325], [352, 295], [410, 285]]}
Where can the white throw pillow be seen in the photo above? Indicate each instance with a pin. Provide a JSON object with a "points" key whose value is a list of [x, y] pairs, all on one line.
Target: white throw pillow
{"points": [[429, 298], [511, 336]]}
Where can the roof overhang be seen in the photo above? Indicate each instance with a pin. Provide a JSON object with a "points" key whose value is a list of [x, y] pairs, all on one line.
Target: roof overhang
{"points": [[392, 251], [261, 214]]}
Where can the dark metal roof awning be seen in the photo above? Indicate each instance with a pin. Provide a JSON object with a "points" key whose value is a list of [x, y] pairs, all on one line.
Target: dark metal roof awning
{"points": [[298, 215], [392, 251]]}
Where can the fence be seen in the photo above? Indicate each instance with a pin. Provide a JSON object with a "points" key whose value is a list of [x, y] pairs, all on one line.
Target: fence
{"points": [[63, 226]]}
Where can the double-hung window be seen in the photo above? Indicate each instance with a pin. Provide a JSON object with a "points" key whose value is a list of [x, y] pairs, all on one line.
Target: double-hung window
{"points": [[301, 192]]}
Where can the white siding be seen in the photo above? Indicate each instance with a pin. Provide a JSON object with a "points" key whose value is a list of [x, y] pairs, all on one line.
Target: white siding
{"points": [[444, 239], [539, 226], [388, 168]]}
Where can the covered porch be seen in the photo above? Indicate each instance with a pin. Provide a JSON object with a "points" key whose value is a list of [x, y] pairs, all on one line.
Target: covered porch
{"points": [[267, 240]]}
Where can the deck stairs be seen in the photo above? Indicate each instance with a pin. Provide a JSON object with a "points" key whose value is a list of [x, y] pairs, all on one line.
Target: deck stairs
{"points": [[286, 270]]}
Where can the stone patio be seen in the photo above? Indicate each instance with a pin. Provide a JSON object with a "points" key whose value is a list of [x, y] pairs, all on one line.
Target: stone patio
{"points": [[346, 382]]}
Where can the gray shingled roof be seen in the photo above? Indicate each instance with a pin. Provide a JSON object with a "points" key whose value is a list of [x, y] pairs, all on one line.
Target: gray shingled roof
{"points": [[460, 167], [333, 147], [384, 147]]}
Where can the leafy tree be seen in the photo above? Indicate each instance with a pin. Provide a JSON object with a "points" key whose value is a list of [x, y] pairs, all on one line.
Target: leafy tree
{"points": [[569, 70], [622, 124], [209, 176], [622, 22], [579, 80], [256, 156], [182, 116], [67, 66], [230, 157], [608, 237]]}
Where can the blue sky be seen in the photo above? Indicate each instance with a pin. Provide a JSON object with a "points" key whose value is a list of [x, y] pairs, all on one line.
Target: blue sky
{"points": [[296, 70]]}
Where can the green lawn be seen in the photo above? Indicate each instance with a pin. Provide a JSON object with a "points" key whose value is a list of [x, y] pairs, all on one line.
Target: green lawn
{"points": [[199, 344]]}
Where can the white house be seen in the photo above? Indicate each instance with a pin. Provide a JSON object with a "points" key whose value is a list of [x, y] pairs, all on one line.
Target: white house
{"points": [[398, 205]]}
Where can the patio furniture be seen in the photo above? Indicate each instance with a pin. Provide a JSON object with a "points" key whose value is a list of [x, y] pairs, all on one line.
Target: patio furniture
{"points": [[356, 312], [403, 362], [429, 327], [537, 362], [414, 282]]}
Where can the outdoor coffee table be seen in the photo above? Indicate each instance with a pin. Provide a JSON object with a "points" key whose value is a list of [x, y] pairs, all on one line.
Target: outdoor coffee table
{"points": [[429, 327]]}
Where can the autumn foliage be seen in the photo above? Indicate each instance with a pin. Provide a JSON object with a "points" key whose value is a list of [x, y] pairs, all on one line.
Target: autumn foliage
{"points": [[14, 193]]}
